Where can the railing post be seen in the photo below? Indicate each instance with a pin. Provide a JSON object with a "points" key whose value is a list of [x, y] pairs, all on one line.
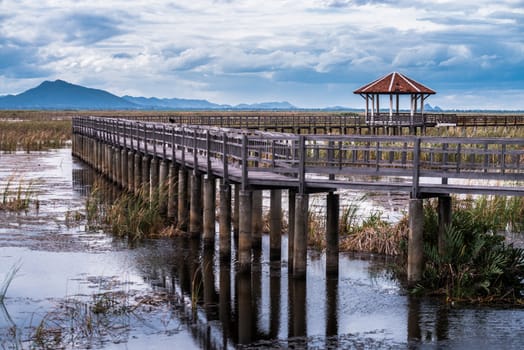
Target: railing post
{"points": [[416, 168], [224, 158], [302, 165], [244, 162]]}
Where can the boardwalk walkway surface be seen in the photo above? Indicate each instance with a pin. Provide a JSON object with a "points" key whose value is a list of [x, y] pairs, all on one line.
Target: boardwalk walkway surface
{"points": [[423, 166]]}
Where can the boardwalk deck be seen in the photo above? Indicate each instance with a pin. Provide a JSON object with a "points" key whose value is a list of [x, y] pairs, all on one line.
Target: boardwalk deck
{"points": [[253, 160], [312, 163]]}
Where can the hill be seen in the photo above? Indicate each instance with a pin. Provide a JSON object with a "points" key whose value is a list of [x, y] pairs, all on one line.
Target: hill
{"points": [[60, 94]]}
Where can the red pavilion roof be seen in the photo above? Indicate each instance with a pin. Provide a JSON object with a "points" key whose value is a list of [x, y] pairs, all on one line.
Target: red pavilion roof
{"points": [[394, 83]]}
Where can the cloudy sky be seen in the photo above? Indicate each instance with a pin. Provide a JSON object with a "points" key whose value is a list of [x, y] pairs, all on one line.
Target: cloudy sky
{"points": [[312, 53]]}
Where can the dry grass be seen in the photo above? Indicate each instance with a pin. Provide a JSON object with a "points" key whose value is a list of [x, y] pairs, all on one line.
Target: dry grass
{"points": [[17, 197], [380, 237]]}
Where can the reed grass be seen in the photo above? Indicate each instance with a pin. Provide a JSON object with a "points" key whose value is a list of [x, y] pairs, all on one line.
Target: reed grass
{"points": [[33, 135], [128, 215], [10, 275], [17, 197]]}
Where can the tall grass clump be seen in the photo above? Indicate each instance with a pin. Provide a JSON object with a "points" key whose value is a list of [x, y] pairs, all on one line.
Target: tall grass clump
{"points": [[374, 235], [126, 215], [476, 263], [17, 197], [33, 134]]}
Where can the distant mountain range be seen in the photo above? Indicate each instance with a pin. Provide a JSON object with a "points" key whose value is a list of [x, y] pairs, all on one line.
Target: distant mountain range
{"points": [[60, 94]]}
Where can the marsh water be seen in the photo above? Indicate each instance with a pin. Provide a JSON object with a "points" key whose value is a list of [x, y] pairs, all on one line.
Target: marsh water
{"points": [[181, 296]]}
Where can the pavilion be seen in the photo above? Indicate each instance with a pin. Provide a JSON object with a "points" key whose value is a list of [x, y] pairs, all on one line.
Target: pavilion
{"points": [[393, 85]]}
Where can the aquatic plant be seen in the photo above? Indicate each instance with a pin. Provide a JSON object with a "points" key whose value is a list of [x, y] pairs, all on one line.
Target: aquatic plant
{"points": [[131, 216], [33, 134], [476, 263], [11, 273], [17, 198]]}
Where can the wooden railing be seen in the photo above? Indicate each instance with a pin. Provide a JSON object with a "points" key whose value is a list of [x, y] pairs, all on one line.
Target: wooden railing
{"points": [[420, 165]]}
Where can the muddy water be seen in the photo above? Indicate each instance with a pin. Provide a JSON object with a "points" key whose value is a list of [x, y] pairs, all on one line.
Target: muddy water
{"points": [[188, 299]]}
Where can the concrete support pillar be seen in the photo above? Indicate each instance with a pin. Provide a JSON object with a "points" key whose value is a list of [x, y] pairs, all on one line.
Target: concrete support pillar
{"points": [[138, 173], [172, 201], [300, 236], [245, 234], [123, 171], [332, 234], [183, 210], [154, 187], [118, 167], [131, 171], [105, 161], [112, 161], [275, 226], [225, 221], [195, 214], [291, 228], [146, 175], [209, 210], [415, 241], [444, 220], [257, 223], [163, 186]]}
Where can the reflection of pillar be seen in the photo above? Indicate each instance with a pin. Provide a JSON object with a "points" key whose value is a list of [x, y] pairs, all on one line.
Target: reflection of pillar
{"points": [[245, 235], [275, 226], [442, 326], [444, 220], [244, 304], [298, 305], [256, 289], [291, 228], [300, 236], [332, 233], [208, 272], [331, 307], [415, 241], [274, 303], [257, 220], [225, 299], [414, 333], [209, 210], [195, 272]]}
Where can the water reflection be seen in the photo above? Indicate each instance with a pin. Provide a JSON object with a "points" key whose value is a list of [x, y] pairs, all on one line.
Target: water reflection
{"points": [[363, 307]]}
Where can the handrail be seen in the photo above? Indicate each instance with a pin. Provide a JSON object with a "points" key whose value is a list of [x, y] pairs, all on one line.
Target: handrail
{"points": [[319, 160]]}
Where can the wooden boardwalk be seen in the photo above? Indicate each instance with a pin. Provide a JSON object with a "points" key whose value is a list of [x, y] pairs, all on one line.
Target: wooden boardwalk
{"points": [[160, 157], [310, 163]]}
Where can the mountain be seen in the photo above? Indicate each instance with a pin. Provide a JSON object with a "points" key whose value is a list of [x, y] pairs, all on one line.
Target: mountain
{"points": [[429, 108], [172, 103], [266, 105], [60, 94]]}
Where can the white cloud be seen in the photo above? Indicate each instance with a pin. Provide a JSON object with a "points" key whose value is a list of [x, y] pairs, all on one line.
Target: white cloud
{"points": [[239, 49]]}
